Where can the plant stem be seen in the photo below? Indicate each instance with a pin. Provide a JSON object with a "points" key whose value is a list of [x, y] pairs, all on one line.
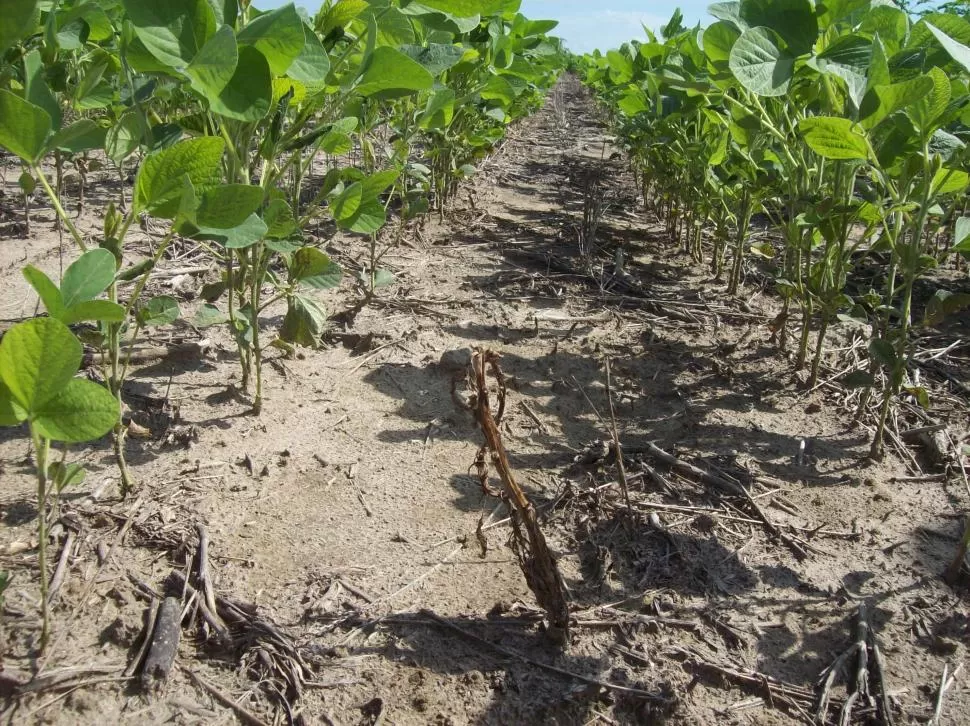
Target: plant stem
{"points": [[58, 209], [41, 449], [256, 286]]}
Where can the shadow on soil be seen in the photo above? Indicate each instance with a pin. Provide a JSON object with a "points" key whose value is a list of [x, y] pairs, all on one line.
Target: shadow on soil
{"points": [[520, 692]]}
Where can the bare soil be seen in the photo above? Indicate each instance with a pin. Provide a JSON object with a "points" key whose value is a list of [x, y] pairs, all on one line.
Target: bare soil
{"points": [[347, 511]]}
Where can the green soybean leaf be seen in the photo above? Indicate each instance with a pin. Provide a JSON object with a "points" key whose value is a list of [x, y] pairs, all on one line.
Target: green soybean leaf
{"points": [[633, 102], [883, 352], [945, 144], [858, 379], [621, 67], [24, 127], [159, 185], [214, 65], [439, 111], [249, 93], [949, 181], [961, 235], [278, 35], [37, 359], [958, 51], [391, 73], [719, 38], [346, 204], [173, 31], [312, 65], [377, 184], [72, 33], [834, 10], [101, 310], [66, 475], [279, 219], [283, 246], [394, 27], [209, 315], [336, 143], [882, 101], [125, 136], [20, 17], [834, 138], [251, 231], [890, 23], [305, 321], [944, 303], [36, 89], [760, 64], [81, 411], [730, 12], [466, 8], [228, 205], [341, 14], [11, 413], [314, 268], [383, 278], [793, 20], [88, 276], [928, 108], [82, 135], [160, 310], [878, 72], [369, 217], [436, 57], [226, 11], [46, 289]]}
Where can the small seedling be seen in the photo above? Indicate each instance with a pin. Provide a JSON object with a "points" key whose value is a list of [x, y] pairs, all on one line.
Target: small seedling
{"points": [[38, 363]]}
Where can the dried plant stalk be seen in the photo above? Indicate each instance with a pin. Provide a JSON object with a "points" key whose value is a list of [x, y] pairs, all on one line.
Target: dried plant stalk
{"points": [[537, 563]]}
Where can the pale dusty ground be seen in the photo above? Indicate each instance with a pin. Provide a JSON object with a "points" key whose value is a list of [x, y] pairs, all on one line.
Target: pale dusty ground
{"points": [[359, 471]]}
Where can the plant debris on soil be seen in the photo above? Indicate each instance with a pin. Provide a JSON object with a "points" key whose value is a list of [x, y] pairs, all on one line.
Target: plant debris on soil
{"points": [[727, 552]]}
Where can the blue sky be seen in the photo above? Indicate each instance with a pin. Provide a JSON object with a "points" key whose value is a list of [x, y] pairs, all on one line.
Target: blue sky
{"points": [[606, 24], [588, 24]]}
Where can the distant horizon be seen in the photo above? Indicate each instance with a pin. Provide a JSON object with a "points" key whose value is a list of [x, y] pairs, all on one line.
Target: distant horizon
{"points": [[584, 28]]}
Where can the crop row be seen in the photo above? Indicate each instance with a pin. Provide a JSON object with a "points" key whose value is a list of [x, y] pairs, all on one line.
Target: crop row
{"points": [[845, 125], [242, 129]]}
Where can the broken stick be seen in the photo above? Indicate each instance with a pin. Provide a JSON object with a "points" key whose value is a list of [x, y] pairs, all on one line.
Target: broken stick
{"points": [[528, 543]]}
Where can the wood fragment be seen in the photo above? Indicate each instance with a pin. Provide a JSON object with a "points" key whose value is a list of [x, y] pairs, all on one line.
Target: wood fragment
{"points": [[60, 572], [129, 520], [165, 642], [64, 678], [617, 447], [204, 583], [794, 698], [798, 547], [244, 715], [535, 419], [147, 640], [179, 352], [528, 543], [946, 682]]}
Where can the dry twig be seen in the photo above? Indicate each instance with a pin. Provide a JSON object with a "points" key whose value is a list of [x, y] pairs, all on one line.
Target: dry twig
{"points": [[537, 563]]}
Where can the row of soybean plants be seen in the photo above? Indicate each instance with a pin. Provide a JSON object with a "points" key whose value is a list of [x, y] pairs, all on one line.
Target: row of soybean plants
{"points": [[224, 114], [845, 123]]}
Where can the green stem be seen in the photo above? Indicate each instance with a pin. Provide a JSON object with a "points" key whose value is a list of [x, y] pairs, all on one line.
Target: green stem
{"points": [[256, 288], [58, 209], [41, 449]]}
